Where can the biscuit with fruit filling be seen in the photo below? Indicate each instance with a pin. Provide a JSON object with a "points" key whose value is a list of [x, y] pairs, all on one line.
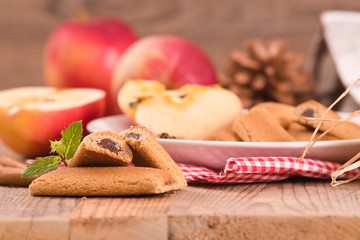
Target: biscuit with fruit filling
{"points": [[344, 130], [258, 125], [149, 153], [103, 148], [284, 113]]}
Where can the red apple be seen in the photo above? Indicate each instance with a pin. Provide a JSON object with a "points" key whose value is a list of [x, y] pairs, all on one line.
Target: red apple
{"points": [[31, 116], [84, 54], [171, 60]]}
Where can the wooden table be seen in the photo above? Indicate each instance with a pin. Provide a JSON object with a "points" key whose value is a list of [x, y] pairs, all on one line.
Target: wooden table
{"points": [[292, 209]]}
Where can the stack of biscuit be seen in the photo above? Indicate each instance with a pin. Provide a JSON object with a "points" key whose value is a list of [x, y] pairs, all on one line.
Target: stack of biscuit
{"points": [[278, 122], [100, 167]]}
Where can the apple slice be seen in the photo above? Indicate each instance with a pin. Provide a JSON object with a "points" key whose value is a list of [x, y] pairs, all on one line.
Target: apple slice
{"points": [[31, 116], [191, 112], [134, 91]]}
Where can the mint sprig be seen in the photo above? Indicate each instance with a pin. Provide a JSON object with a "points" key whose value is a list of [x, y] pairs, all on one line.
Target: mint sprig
{"points": [[65, 149]]}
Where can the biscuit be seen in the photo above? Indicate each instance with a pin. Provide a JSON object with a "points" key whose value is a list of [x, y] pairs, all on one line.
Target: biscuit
{"points": [[303, 133], [11, 171], [103, 181], [258, 125], [10, 162], [284, 113], [225, 134], [149, 153], [12, 176], [103, 148], [345, 130]]}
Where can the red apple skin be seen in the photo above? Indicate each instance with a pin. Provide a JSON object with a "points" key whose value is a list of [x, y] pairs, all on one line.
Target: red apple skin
{"points": [[169, 59], [84, 54], [28, 132]]}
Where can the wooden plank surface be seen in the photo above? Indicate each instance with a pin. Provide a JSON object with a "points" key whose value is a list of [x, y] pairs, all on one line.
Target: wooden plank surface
{"points": [[216, 26], [296, 209]]}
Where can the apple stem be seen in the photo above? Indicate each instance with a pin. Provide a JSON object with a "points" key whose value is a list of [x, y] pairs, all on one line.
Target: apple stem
{"points": [[82, 14]]}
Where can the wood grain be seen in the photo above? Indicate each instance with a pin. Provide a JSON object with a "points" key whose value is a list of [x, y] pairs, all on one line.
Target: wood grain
{"points": [[296, 209], [26, 217], [217, 27]]}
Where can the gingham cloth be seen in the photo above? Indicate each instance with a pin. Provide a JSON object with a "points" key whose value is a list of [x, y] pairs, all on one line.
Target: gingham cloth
{"points": [[262, 169]]}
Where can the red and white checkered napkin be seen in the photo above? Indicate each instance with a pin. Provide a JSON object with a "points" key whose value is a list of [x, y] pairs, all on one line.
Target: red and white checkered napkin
{"points": [[262, 169]]}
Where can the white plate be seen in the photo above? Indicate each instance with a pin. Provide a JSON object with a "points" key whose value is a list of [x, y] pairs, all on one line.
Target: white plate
{"points": [[213, 154]]}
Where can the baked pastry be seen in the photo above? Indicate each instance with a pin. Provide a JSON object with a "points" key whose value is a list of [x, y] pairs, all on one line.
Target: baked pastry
{"points": [[225, 134], [10, 162], [303, 133], [11, 171], [12, 176], [147, 152], [258, 125], [103, 148], [103, 181], [344, 130], [284, 113]]}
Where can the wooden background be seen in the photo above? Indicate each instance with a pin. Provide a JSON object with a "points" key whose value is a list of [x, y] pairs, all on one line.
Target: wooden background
{"points": [[216, 26]]}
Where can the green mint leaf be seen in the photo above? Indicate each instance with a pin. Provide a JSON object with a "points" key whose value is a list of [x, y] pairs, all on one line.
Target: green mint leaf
{"points": [[65, 148], [71, 139], [57, 147], [42, 165]]}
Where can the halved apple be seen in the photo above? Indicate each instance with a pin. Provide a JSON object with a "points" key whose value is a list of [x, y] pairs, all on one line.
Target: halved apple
{"points": [[190, 112], [31, 116], [135, 91]]}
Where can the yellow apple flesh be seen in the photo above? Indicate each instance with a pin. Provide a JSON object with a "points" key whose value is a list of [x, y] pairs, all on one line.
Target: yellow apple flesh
{"points": [[191, 112], [135, 91]]}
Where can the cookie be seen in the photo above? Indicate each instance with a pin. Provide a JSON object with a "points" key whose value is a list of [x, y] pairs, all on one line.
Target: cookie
{"points": [[103, 148], [225, 134], [258, 125], [149, 153], [11, 171], [12, 176], [103, 181], [10, 162], [303, 133], [284, 113], [344, 130]]}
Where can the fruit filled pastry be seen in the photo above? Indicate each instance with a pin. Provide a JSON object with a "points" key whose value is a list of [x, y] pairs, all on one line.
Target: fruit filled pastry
{"points": [[149, 153], [284, 113], [11, 171], [94, 169], [258, 125], [225, 134], [304, 133], [104, 148], [344, 130], [103, 181], [191, 112]]}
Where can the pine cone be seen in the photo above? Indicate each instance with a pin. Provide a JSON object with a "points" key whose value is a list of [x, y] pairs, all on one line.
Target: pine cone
{"points": [[267, 71]]}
